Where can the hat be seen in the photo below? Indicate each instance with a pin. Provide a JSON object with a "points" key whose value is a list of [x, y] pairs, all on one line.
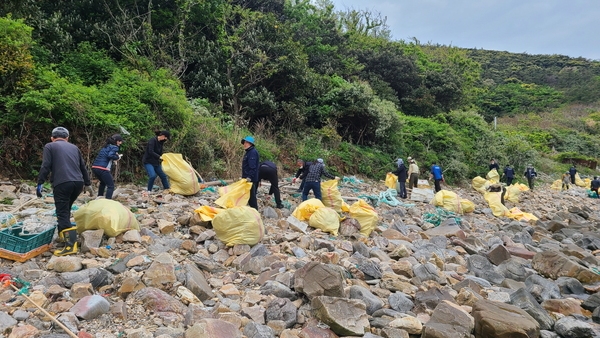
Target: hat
{"points": [[117, 137], [60, 132], [248, 139], [320, 160], [409, 158], [166, 134]]}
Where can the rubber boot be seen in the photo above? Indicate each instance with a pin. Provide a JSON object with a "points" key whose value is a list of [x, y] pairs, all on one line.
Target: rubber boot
{"points": [[70, 237]]}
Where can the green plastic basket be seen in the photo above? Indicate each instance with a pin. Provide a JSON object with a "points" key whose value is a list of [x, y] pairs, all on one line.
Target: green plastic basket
{"points": [[12, 239]]}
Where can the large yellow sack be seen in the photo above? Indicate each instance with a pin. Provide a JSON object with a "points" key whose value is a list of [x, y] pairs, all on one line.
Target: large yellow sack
{"points": [[512, 193], [579, 182], [234, 195], [516, 213], [239, 225], [325, 219], [494, 201], [182, 176], [450, 201], [365, 215], [493, 176], [111, 216], [480, 184], [207, 213], [331, 196], [556, 185], [391, 180], [307, 208]]}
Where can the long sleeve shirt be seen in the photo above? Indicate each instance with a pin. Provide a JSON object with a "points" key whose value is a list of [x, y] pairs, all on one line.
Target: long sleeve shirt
{"points": [[413, 168], [315, 172], [250, 164], [63, 160]]}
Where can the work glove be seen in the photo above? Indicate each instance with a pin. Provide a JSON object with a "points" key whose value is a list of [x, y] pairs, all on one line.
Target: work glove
{"points": [[248, 179], [120, 156], [294, 180], [38, 191], [89, 189], [337, 178]]}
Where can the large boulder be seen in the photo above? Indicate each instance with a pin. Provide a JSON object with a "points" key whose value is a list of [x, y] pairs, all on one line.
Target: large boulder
{"points": [[554, 264], [346, 317], [499, 320]]}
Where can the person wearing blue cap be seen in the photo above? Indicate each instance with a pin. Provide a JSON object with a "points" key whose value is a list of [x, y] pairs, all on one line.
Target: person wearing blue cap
{"points": [[250, 164]]}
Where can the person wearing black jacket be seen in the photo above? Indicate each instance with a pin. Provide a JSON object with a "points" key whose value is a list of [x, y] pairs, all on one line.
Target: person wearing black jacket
{"points": [[152, 159], [572, 173], [530, 174], [494, 165], [250, 164], [268, 171], [401, 172], [509, 173], [68, 174], [595, 185], [301, 173]]}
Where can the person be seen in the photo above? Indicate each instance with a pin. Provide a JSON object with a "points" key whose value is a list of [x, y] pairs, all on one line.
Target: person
{"points": [[313, 179], [301, 173], [68, 176], [494, 165], [103, 163], [509, 173], [566, 178], [152, 159], [401, 172], [413, 174], [268, 171], [572, 173], [250, 164], [437, 175], [530, 174], [595, 185]]}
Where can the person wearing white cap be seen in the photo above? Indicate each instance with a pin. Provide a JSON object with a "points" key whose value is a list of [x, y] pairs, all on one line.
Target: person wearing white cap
{"points": [[68, 175], [313, 179]]}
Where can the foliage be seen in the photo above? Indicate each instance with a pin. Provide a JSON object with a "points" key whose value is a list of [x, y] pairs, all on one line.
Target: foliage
{"points": [[16, 62]]}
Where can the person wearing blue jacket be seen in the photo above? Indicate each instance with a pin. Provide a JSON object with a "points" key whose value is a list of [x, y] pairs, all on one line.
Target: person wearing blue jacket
{"points": [[103, 163], [402, 173], [509, 172], [250, 164], [437, 175]]}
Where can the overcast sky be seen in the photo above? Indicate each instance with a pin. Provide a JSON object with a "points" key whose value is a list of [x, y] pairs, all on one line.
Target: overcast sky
{"points": [[566, 27]]}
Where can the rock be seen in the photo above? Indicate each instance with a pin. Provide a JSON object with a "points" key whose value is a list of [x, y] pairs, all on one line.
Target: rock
{"points": [[158, 301], [344, 316], [553, 264], [431, 298], [400, 302], [447, 231], [91, 239], [567, 307], [132, 236], [372, 302], [277, 289], [592, 302], [165, 227], [161, 273], [281, 309], [91, 307], [209, 328], [6, 322], [498, 254], [80, 290], [448, 320], [64, 263], [367, 266], [69, 319], [482, 268], [409, 324], [254, 330], [541, 288], [349, 227], [25, 331], [574, 328], [196, 282], [570, 286], [496, 320], [316, 279], [514, 269], [426, 272], [524, 300]]}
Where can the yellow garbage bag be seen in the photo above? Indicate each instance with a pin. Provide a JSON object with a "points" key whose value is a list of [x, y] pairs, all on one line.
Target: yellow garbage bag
{"points": [[345, 207], [331, 196], [111, 216], [522, 187], [579, 182], [365, 215], [493, 199], [234, 195], [493, 176], [480, 184], [182, 176], [391, 180], [207, 213], [587, 182], [239, 225], [556, 185], [325, 219], [307, 208], [450, 201], [516, 213], [512, 193]]}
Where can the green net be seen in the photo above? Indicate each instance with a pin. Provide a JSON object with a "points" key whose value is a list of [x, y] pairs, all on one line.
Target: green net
{"points": [[436, 218]]}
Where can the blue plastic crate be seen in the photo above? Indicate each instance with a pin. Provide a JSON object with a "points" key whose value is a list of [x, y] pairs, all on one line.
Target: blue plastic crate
{"points": [[13, 240]]}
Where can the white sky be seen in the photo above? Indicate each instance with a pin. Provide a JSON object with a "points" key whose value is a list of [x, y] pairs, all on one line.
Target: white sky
{"points": [[566, 27]]}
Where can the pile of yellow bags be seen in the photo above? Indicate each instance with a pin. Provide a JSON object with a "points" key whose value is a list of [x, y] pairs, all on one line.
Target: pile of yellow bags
{"points": [[450, 201], [111, 216]]}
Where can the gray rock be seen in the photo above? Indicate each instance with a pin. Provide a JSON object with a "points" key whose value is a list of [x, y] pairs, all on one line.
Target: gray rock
{"points": [[482, 268], [527, 302], [69, 319], [448, 320], [277, 289], [596, 315], [269, 212], [120, 265], [367, 266], [494, 319], [97, 277], [431, 298], [345, 317], [548, 334], [6, 321], [400, 302], [90, 307], [427, 271], [498, 254], [372, 302], [196, 282], [541, 288], [91, 239], [592, 302], [254, 330], [361, 248], [513, 269], [573, 328], [281, 309], [19, 315], [316, 279], [570, 286]]}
